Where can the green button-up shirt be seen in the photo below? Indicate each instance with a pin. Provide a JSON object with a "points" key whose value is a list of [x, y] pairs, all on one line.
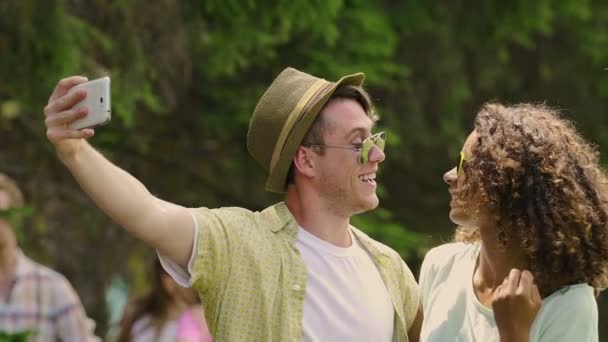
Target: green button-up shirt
{"points": [[252, 280]]}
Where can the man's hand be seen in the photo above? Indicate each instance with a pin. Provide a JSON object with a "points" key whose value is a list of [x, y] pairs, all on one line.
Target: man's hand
{"points": [[165, 226], [516, 303], [59, 114]]}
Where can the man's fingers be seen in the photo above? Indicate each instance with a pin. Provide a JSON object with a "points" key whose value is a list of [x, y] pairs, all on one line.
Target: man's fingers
{"points": [[66, 133], [64, 102], [65, 118], [65, 85]]}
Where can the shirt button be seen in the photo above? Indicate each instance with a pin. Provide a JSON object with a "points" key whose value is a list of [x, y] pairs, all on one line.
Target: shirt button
{"points": [[296, 287]]}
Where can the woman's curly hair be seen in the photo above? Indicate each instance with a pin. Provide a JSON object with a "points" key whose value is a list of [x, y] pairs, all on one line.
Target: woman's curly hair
{"points": [[541, 183]]}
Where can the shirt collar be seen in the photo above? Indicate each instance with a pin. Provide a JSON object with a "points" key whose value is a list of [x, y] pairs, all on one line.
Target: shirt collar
{"points": [[369, 244], [278, 217], [24, 264]]}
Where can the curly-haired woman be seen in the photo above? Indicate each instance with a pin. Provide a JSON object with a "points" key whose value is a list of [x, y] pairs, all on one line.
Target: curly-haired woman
{"points": [[531, 203]]}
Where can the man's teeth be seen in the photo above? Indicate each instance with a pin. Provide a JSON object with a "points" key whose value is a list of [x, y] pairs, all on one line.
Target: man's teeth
{"points": [[368, 178]]}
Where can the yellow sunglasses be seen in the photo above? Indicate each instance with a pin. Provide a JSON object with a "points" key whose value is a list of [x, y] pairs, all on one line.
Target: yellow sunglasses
{"points": [[463, 160]]}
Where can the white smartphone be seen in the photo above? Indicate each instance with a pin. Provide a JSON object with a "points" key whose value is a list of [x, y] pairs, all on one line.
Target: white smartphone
{"points": [[97, 102]]}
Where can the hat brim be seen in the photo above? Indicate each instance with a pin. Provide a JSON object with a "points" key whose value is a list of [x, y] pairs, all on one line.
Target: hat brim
{"points": [[277, 177]]}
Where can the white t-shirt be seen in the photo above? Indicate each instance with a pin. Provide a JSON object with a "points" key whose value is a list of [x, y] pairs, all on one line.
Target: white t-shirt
{"points": [[452, 311], [346, 299]]}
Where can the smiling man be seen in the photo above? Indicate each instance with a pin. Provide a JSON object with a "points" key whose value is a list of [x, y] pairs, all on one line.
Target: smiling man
{"points": [[296, 271]]}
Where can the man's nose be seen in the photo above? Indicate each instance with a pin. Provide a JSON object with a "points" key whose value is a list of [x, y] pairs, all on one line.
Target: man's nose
{"points": [[376, 155]]}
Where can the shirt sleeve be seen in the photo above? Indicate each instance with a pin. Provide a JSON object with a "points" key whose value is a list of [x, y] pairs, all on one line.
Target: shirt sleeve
{"points": [[216, 232], [571, 316], [412, 301], [219, 231], [178, 273], [71, 321]]}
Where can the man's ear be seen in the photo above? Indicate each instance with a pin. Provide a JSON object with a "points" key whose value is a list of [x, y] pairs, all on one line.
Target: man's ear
{"points": [[304, 162]]}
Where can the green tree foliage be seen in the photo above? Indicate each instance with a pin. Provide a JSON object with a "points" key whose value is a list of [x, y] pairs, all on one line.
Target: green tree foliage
{"points": [[186, 76]]}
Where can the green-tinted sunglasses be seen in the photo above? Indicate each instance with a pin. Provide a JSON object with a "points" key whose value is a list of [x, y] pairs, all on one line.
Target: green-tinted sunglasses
{"points": [[365, 147]]}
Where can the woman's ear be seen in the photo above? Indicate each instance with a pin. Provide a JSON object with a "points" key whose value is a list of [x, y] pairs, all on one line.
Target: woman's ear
{"points": [[304, 161]]}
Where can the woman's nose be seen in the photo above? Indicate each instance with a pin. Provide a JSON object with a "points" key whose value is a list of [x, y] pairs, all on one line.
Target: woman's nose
{"points": [[450, 176]]}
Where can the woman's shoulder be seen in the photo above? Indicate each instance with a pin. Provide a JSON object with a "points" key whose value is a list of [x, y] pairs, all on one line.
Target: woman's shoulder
{"points": [[450, 252], [568, 314], [441, 261], [573, 296]]}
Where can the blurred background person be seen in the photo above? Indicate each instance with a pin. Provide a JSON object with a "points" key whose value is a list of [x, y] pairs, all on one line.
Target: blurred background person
{"points": [[33, 297], [167, 312]]}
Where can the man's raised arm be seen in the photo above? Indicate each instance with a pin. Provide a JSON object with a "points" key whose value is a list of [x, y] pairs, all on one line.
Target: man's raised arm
{"points": [[165, 226]]}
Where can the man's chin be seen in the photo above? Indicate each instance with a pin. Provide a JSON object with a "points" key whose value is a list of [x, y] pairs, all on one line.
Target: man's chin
{"points": [[374, 202], [369, 203]]}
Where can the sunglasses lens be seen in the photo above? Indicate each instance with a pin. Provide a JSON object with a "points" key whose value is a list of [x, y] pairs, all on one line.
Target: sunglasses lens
{"points": [[380, 142], [365, 149], [369, 143]]}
